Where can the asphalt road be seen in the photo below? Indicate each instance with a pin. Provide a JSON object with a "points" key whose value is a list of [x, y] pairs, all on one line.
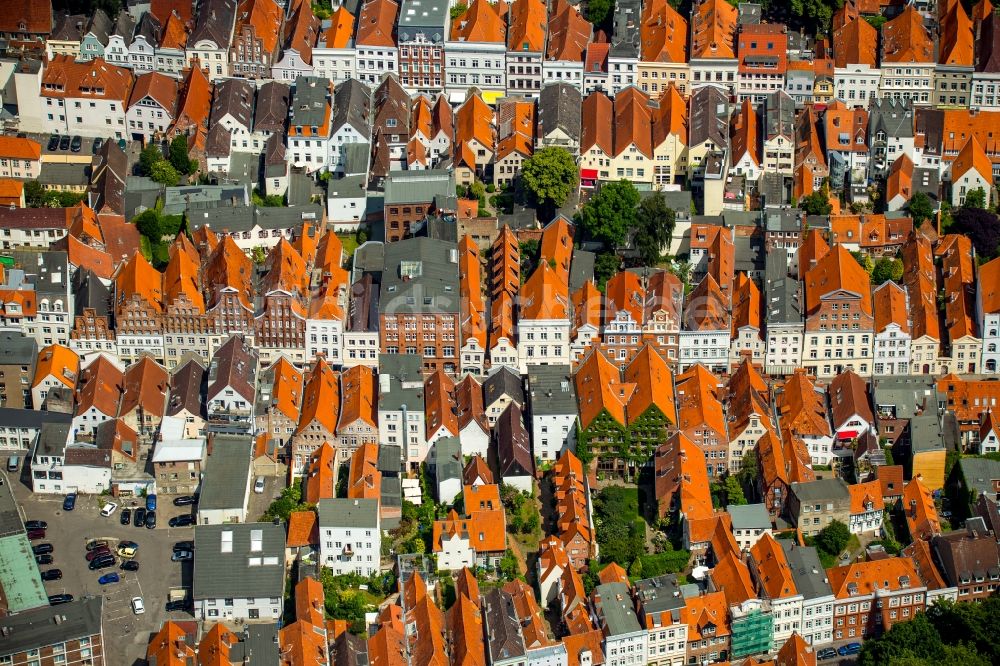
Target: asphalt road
{"points": [[126, 634]]}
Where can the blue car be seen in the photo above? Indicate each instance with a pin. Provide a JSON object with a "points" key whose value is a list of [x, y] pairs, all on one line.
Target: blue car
{"points": [[70, 502], [107, 578], [850, 648], [150, 502]]}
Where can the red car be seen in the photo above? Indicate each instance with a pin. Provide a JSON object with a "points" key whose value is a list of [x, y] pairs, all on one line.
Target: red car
{"points": [[34, 535], [97, 552]]}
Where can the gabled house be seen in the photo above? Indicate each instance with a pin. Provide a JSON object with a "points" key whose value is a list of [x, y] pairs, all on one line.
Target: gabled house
{"points": [[152, 106], [255, 38], [319, 414], [232, 387]]}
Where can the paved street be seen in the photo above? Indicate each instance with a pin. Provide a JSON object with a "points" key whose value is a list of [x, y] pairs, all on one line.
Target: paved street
{"points": [[126, 634]]}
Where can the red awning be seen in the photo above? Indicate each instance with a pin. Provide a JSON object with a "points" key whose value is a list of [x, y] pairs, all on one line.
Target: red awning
{"points": [[589, 174], [847, 434]]}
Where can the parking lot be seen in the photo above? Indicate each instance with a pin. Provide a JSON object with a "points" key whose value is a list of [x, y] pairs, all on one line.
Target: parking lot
{"points": [[126, 634]]}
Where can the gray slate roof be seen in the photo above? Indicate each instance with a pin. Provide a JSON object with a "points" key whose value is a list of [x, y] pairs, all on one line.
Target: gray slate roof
{"points": [[807, 571], [749, 516], [420, 276], [345, 512], [709, 117], [559, 109], [227, 473], [613, 604], [230, 575], [502, 382], [552, 390], [352, 101], [781, 292], [17, 349], [39, 628], [214, 22], [821, 489], [308, 107]]}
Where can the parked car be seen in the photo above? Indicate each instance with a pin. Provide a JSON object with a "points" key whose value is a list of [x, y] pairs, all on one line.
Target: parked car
{"points": [[57, 599], [64, 142], [850, 648], [181, 556], [99, 552], [130, 565], [180, 605], [258, 485], [102, 563], [94, 545], [35, 524], [126, 552], [184, 545], [70, 502], [139, 517], [52, 574], [42, 549], [108, 509], [107, 578], [36, 534], [826, 653], [76, 144], [122, 143], [98, 144], [150, 502], [128, 544], [185, 500], [126, 516], [137, 606], [150, 520], [53, 142], [43, 559], [184, 520]]}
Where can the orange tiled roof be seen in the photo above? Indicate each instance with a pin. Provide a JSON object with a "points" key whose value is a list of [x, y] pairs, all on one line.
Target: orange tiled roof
{"points": [[744, 133], [89, 258], [516, 127], [713, 29], [613, 573], [321, 398], [465, 625], [181, 282], [302, 529], [556, 246], [624, 292], [663, 33], [989, 286], [801, 409], [587, 308], [485, 530], [469, 396], [480, 22], [707, 308], [920, 512], [357, 390], [146, 385], [544, 295], [157, 86], [439, 403], [773, 572], [748, 395], [387, 647], [216, 645], [968, 397], [855, 44], [846, 128], [900, 179], [920, 278], [286, 391], [886, 575], [174, 34], [171, 646], [96, 79], [865, 494], [341, 30], [376, 23], [698, 401], [972, 157], [364, 480], [17, 148], [956, 39], [527, 26], [836, 271], [670, 117], [904, 39], [706, 611], [286, 270], [890, 307], [653, 382], [597, 381], [139, 278], [502, 319], [597, 123], [959, 276], [732, 576], [101, 386], [633, 122], [472, 305], [746, 304], [59, 362], [586, 643], [474, 121], [569, 33], [319, 475]]}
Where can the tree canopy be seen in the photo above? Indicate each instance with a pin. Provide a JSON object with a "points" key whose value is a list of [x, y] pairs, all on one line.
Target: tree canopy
{"points": [[975, 198], [599, 12], [981, 226], [654, 226], [833, 538], [920, 207], [549, 176], [817, 203], [610, 213], [179, 158], [887, 268]]}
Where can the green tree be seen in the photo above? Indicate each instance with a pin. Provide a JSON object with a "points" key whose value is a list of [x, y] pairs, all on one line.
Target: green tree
{"points": [[179, 154], [34, 194], [734, 492], [605, 266], [164, 172], [887, 268], [920, 207], [458, 10], [749, 469], [833, 538], [150, 224], [817, 203], [975, 198], [258, 254], [289, 501], [610, 213], [149, 156], [599, 12], [654, 226], [550, 177], [864, 261]]}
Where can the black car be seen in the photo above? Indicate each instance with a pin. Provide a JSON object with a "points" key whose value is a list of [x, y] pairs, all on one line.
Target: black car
{"points": [[182, 521], [126, 516], [102, 562], [139, 517], [185, 500], [53, 142], [181, 605], [35, 524], [42, 549], [76, 144], [43, 559], [94, 545], [150, 520], [184, 545], [52, 574], [64, 142], [98, 143], [69, 503], [57, 599], [130, 565]]}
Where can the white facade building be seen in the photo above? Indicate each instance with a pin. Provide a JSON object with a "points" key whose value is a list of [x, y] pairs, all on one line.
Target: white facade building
{"points": [[350, 535]]}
